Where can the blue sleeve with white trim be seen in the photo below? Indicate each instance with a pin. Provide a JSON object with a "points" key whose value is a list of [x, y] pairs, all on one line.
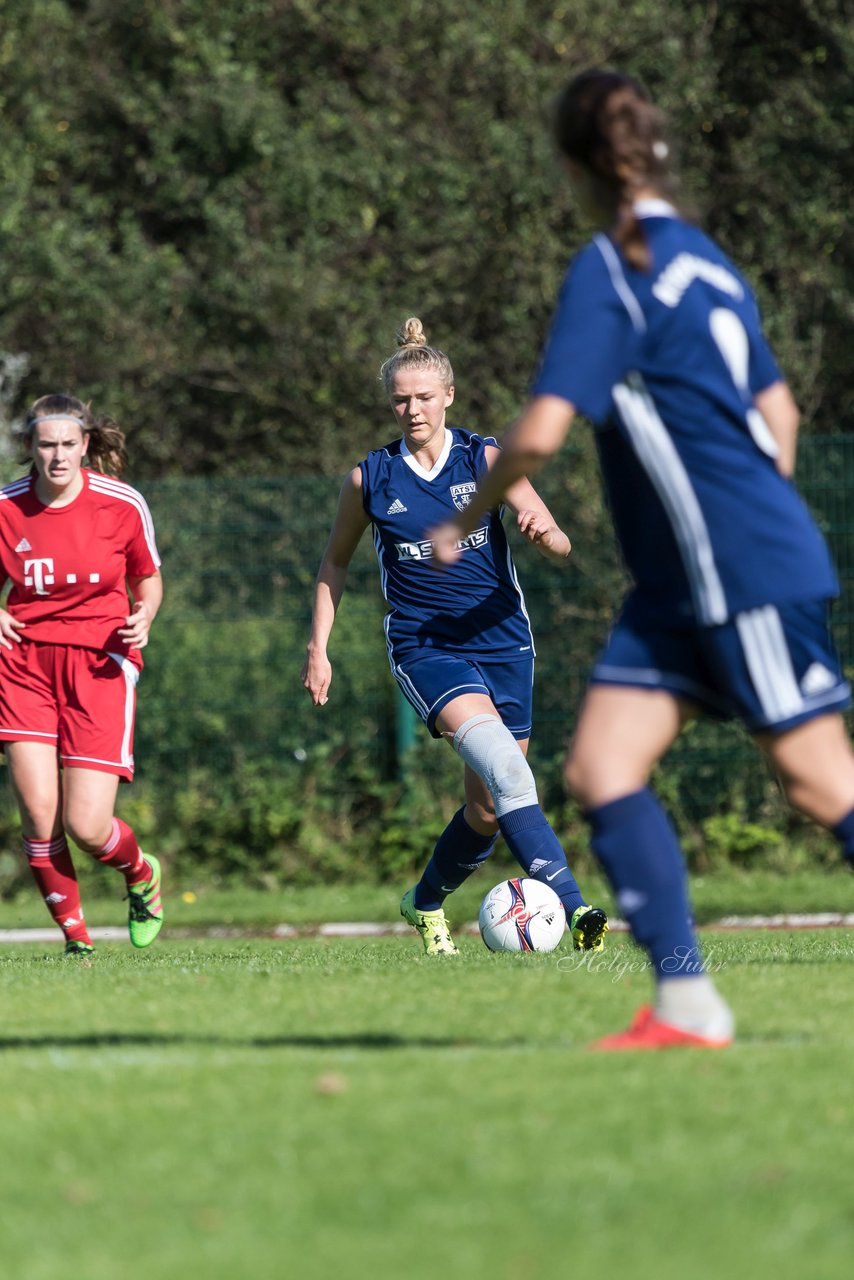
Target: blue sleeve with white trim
{"points": [[594, 339]]}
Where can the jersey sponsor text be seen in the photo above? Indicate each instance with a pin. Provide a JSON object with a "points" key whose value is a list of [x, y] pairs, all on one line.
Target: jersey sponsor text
{"points": [[681, 273], [426, 550]]}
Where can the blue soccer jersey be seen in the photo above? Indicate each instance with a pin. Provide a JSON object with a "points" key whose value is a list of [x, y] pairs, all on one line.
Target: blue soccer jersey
{"points": [[667, 363], [474, 606]]}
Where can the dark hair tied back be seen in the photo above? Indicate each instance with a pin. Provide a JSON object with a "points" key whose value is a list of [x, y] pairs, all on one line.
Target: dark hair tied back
{"points": [[606, 123]]}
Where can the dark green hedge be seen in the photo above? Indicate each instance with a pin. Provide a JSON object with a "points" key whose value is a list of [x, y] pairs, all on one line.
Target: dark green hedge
{"points": [[213, 216]]}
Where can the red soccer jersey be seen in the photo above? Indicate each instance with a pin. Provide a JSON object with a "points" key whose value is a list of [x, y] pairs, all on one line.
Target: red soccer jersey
{"points": [[68, 565]]}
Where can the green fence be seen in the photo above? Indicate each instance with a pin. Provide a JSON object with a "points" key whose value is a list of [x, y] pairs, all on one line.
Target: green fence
{"points": [[238, 774], [222, 682]]}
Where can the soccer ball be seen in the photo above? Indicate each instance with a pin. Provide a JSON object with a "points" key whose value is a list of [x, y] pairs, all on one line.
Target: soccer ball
{"points": [[522, 915]]}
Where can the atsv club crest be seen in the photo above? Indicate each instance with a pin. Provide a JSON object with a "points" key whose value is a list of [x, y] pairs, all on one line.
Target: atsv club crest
{"points": [[462, 494]]}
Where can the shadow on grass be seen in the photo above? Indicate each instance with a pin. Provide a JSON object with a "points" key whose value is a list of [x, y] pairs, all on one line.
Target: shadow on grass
{"points": [[367, 1042], [118, 1039]]}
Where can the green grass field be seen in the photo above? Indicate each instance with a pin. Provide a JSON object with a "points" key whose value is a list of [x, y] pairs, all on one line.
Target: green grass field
{"points": [[329, 1109]]}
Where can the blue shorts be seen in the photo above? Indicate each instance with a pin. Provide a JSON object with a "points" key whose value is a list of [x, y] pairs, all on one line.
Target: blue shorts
{"points": [[773, 667], [431, 679]]}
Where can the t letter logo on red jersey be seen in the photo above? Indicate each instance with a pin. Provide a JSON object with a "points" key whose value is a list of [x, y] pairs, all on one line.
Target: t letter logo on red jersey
{"points": [[39, 573]]}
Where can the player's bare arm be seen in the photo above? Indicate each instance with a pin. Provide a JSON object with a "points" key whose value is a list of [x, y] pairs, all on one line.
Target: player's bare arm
{"points": [[778, 408], [147, 595], [9, 626], [534, 437], [534, 520], [350, 523]]}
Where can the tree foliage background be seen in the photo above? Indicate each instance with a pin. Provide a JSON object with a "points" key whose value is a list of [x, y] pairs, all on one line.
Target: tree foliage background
{"points": [[214, 216]]}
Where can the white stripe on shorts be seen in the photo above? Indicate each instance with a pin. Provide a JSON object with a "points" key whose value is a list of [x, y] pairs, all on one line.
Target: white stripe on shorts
{"points": [[409, 691], [767, 656], [131, 675]]}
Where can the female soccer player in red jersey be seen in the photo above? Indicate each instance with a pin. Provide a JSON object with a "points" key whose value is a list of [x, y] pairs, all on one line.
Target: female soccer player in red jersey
{"points": [[74, 540]]}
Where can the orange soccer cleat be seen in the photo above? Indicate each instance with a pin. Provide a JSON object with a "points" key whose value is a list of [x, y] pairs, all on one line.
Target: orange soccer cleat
{"points": [[647, 1032]]}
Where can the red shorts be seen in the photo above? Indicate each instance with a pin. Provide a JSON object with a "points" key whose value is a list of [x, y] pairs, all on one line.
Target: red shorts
{"points": [[82, 701]]}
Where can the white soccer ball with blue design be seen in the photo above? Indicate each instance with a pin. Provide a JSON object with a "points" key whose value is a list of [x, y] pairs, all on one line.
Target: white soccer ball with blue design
{"points": [[522, 915]]}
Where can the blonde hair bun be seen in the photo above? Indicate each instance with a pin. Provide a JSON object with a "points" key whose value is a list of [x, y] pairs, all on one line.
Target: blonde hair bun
{"points": [[411, 333], [414, 352]]}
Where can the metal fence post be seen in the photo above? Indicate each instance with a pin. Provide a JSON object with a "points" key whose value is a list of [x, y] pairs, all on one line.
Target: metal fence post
{"points": [[404, 736]]}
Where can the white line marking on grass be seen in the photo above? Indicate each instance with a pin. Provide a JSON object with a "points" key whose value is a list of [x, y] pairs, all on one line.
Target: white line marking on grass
{"points": [[818, 920], [104, 934], [360, 929], [376, 929]]}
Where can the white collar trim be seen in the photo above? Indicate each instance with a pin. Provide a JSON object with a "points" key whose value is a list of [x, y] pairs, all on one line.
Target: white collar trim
{"points": [[653, 208], [411, 459]]}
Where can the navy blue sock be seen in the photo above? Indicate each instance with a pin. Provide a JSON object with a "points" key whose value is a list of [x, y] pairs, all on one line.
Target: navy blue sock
{"points": [[459, 851], [844, 832], [537, 850], [640, 853]]}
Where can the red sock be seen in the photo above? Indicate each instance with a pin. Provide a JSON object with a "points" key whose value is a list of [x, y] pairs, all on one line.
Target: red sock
{"points": [[53, 871], [124, 854]]}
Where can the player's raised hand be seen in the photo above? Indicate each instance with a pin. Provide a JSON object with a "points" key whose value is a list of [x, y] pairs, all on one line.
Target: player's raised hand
{"points": [[316, 676], [539, 528], [9, 628], [137, 626]]}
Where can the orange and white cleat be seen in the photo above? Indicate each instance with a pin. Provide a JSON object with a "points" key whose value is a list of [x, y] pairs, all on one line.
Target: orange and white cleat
{"points": [[647, 1032]]}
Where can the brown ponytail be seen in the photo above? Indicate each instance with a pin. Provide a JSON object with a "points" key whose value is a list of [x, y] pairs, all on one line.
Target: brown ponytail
{"points": [[606, 123]]}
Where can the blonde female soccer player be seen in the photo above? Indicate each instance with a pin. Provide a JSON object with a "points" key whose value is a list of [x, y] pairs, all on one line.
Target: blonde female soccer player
{"points": [[460, 643]]}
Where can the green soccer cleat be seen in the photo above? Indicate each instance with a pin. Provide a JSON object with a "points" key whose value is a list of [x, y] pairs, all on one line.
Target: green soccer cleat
{"points": [[588, 927], [81, 949], [432, 926], [145, 913]]}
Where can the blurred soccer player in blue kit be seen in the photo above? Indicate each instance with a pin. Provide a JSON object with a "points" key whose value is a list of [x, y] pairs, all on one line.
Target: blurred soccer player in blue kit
{"points": [[459, 643], [657, 340]]}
